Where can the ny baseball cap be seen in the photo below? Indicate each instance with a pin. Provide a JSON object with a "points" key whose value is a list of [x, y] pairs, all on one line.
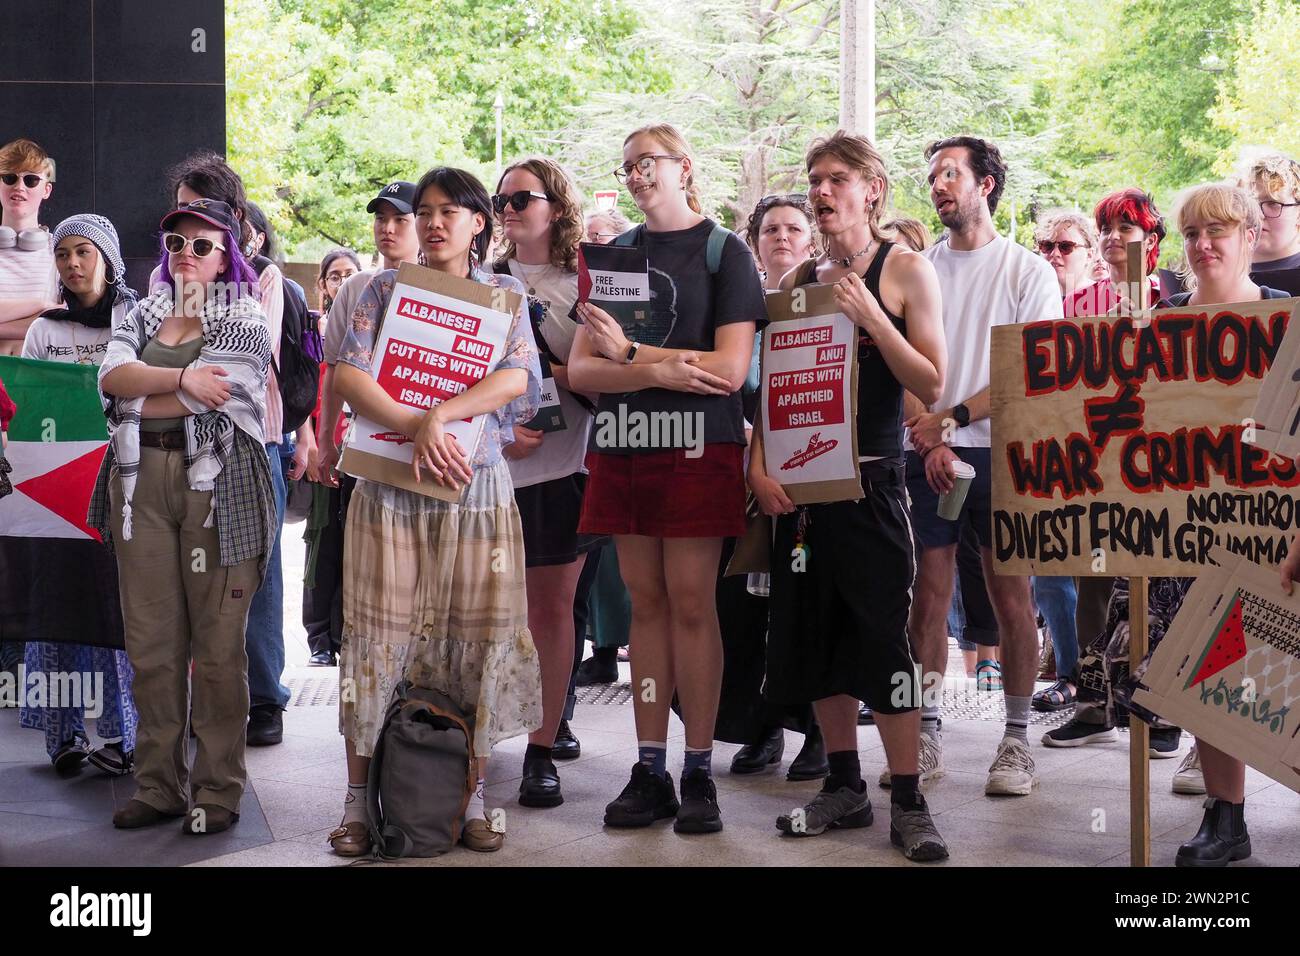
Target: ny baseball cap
{"points": [[212, 211], [400, 194]]}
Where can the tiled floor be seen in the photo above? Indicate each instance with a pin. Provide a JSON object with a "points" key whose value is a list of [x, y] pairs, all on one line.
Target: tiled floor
{"points": [[1078, 816]]}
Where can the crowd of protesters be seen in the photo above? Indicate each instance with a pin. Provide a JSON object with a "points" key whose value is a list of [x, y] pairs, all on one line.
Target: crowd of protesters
{"points": [[622, 545]]}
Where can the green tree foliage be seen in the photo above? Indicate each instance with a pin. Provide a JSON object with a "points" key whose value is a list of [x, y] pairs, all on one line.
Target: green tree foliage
{"points": [[1259, 104]]}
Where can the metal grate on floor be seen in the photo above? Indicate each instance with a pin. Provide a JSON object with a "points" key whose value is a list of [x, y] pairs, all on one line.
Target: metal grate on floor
{"points": [[605, 694], [314, 691]]}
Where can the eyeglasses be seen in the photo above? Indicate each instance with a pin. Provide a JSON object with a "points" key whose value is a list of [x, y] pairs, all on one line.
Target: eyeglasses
{"points": [[518, 201], [337, 278], [1064, 245], [30, 180], [645, 166], [602, 237], [1271, 208], [175, 243]]}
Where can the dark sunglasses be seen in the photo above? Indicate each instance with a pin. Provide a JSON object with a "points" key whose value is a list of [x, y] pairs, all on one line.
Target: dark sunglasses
{"points": [[1064, 245], [30, 180], [203, 247], [518, 201], [799, 199]]}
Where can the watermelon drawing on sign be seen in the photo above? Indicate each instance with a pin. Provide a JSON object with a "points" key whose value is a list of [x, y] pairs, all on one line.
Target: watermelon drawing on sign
{"points": [[1226, 647]]}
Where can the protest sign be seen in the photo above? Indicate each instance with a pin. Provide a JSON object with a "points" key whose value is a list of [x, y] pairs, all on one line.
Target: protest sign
{"points": [[550, 416], [809, 396], [440, 335], [1228, 670], [1123, 449], [1277, 409], [617, 279]]}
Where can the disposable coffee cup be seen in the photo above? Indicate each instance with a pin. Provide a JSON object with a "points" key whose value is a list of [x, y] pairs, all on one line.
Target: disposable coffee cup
{"points": [[951, 502]]}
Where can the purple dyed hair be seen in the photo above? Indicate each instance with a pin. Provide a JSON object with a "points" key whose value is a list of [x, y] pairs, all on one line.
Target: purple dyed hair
{"points": [[238, 269]]}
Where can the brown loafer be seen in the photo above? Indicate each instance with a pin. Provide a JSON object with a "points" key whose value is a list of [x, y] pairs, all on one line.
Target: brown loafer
{"points": [[479, 836], [352, 839], [137, 814], [208, 818]]}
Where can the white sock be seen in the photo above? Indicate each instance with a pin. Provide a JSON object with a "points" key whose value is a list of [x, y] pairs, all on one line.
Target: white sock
{"points": [[475, 810], [354, 804]]}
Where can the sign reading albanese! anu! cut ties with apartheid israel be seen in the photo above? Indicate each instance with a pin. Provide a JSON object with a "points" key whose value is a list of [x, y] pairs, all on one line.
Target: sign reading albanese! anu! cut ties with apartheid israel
{"points": [[1125, 446]]}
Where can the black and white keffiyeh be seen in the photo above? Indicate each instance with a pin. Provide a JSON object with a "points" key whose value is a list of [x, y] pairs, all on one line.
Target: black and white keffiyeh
{"points": [[236, 337]]}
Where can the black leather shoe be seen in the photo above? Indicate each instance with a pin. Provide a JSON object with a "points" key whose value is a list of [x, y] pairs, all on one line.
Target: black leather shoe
{"points": [[322, 659], [1221, 838], [137, 814], [67, 759], [265, 725], [811, 764], [755, 758], [566, 746], [593, 671], [541, 784], [865, 718]]}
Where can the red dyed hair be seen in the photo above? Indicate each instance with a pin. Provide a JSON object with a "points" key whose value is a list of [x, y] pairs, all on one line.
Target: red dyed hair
{"points": [[1136, 207]]}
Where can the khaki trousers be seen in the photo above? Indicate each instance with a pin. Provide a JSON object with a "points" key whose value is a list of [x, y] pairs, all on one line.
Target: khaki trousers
{"points": [[180, 605]]}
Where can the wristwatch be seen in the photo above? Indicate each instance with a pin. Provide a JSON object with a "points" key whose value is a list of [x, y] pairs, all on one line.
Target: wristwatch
{"points": [[961, 414], [631, 352]]}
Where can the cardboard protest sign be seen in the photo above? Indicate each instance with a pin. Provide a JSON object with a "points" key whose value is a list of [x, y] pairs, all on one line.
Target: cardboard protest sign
{"points": [[809, 396], [1277, 409], [550, 416], [1124, 449], [1228, 669], [440, 335], [617, 279]]}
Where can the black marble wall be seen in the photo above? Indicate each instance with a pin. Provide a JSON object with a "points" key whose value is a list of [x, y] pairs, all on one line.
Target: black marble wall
{"points": [[116, 91]]}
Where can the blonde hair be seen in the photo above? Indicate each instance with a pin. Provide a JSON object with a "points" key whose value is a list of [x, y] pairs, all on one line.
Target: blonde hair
{"points": [[668, 136], [910, 232], [22, 155], [1274, 173], [857, 153], [567, 229], [1216, 202], [1054, 220]]}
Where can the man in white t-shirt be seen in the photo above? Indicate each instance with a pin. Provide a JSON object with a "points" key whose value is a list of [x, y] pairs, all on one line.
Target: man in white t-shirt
{"points": [[986, 280], [28, 279]]}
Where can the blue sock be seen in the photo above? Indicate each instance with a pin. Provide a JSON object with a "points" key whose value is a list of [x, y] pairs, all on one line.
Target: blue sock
{"points": [[654, 756], [698, 760]]}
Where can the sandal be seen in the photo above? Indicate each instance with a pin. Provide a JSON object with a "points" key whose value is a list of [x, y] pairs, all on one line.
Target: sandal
{"points": [[1057, 697], [988, 675], [351, 839]]}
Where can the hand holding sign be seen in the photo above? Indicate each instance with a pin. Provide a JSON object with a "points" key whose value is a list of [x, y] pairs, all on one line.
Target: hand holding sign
{"points": [[439, 452], [604, 332], [855, 300]]}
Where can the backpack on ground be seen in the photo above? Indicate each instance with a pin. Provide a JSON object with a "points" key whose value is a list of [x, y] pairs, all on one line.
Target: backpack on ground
{"points": [[301, 352], [422, 775]]}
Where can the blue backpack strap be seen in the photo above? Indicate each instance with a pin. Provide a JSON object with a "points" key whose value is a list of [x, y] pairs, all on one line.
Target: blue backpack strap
{"points": [[630, 238], [713, 251]]}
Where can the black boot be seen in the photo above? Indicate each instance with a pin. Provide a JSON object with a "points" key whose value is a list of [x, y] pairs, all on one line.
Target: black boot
{"points": [[811, 764], [1221, 838], [757, 757]]}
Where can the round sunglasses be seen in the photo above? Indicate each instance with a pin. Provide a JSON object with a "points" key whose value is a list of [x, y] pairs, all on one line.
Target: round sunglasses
{"points": [[203, 247], [518, 201], [30, 180]]}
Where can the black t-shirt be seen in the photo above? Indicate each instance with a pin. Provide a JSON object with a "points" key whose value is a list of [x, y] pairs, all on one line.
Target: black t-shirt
{"points": [[689, 304]]}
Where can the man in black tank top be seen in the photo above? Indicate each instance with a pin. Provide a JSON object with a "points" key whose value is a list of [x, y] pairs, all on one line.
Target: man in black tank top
{"points": [[839, 609]]}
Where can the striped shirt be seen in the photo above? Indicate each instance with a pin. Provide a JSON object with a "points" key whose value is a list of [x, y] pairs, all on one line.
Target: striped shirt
{"points": [[28, 274]]}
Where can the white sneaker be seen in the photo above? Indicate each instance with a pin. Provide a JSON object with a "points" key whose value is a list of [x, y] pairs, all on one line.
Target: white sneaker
{"points": [[1013, 772], [929, 762], [1188, 777]]}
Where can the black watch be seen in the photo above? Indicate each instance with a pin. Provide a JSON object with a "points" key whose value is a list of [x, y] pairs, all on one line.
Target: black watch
{"points": [[961, 414]]}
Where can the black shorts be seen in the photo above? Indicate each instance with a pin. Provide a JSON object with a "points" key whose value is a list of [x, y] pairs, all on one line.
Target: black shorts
{"points": [[549, 513], [840, 625], [935, 532]]}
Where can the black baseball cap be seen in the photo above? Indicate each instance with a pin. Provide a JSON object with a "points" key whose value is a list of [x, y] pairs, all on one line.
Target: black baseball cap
{"points": [[399, 194], [212, 211]]}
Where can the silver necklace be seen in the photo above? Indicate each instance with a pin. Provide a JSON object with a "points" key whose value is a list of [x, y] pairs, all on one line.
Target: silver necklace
{"points": [[847, 261]]}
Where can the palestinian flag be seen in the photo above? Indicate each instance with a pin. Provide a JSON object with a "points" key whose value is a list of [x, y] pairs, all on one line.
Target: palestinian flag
{"points": [[58, 582], [56, 444]]}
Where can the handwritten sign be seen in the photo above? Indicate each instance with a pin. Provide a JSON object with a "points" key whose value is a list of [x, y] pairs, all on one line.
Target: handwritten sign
{"points": [[809, 395], [1127, 449], [1228, 669], [440, 335]]}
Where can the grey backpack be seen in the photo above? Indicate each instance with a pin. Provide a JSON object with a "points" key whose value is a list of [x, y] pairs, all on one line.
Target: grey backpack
{"points": [[421, 775]]}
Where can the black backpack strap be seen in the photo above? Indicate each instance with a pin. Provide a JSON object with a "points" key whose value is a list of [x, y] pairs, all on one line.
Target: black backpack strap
{"points": [[633, 237]]}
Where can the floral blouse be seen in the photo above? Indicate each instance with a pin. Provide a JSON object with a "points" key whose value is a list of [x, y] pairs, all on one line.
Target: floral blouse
{"points": [[520, 352]]}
